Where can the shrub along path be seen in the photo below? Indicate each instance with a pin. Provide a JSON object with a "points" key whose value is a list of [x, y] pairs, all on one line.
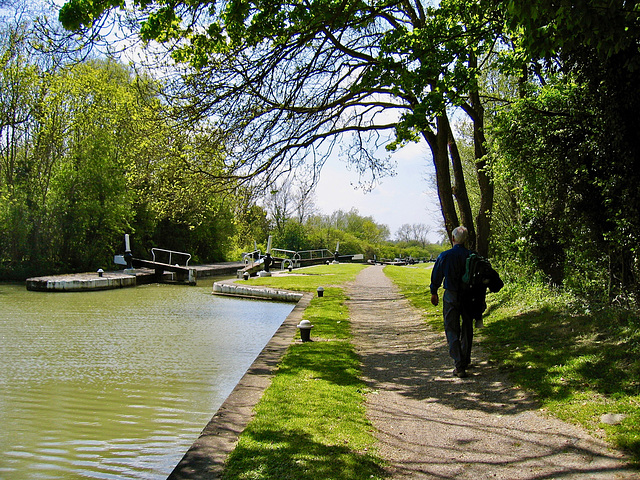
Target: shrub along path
{"points": [[432, 425]]}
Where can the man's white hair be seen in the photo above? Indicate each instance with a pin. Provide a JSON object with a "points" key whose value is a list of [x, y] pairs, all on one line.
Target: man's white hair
{"points": [[459, 234]]}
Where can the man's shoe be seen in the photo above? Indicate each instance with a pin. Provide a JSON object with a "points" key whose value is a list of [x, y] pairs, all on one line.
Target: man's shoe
{"points": [[460, 373]]}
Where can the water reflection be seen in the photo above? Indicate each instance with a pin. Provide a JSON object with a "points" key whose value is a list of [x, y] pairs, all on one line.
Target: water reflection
{"points": [[118, 384]]}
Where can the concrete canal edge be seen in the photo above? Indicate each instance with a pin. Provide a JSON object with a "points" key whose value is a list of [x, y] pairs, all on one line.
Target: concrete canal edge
{"points": [[231, 289], [206, 457], [88, 281], [81, 282]]}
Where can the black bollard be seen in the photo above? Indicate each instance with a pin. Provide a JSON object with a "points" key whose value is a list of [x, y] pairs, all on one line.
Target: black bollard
{"points": [[305, 330]]}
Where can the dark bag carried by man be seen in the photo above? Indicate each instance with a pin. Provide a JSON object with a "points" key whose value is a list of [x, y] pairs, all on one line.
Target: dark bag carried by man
{"points": [[478, 276]]}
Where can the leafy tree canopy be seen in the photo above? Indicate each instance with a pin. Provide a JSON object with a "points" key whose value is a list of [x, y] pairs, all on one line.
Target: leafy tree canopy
{"points": [[607, 27], [288, 78]]}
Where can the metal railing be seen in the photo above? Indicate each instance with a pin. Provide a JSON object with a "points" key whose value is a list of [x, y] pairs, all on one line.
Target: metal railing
{"points": [[289, 257], [311, 254], [171, 253], [282, 253], [251, 257], [292, 258]]}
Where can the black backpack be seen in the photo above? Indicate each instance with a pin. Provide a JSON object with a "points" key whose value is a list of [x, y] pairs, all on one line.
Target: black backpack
{"points": [[479, 274]]}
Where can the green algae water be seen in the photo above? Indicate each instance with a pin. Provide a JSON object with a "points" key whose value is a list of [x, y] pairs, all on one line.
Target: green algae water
{"points": [[119, 383]]}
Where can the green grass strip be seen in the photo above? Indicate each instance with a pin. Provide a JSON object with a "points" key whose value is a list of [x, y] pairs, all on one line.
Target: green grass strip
{"points": [[311, 422], [310, 278]]}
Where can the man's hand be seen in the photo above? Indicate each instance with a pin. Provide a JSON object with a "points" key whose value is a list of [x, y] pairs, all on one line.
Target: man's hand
{"points": [[434, 299]]}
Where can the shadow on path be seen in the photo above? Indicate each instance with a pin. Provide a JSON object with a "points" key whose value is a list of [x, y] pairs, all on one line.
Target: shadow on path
{"points": [[432, 425]]}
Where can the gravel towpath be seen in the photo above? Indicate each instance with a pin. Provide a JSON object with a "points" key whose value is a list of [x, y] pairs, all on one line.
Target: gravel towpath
{"points": [[432, 425]]}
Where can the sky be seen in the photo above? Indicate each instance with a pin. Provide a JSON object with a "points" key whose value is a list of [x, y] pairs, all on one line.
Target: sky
{"points": [[409, 197]]}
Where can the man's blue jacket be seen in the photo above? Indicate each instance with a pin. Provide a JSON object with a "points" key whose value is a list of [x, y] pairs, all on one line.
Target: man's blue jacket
{"points": [[450, 266]]}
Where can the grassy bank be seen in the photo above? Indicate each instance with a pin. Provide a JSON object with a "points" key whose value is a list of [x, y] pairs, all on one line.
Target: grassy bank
{"points": [[581, 364], [311, 423]]}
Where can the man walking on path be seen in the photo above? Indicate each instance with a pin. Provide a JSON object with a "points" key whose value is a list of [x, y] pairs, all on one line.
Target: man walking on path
{"points": [[432, 427], [458, 319]]}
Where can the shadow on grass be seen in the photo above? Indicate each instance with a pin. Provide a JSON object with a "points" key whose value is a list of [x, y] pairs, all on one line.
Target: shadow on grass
{"points": [[309, 424], [583, 362], [335, 362], [587, 365], [555, 354], [270, 454]]}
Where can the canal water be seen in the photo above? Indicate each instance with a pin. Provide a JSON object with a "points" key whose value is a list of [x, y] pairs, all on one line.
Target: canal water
{"points": [[118, 384]]}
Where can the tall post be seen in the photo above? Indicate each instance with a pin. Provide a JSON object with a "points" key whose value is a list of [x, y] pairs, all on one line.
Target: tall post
{"points": [[267, 260], [127, 251]]}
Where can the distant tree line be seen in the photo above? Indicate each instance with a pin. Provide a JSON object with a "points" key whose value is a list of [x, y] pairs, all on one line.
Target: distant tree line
{"points": [[288, 213]]}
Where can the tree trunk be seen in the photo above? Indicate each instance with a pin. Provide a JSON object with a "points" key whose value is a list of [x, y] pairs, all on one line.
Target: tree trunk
{"points": [[460, 188], [438, 143], [485, 210]]}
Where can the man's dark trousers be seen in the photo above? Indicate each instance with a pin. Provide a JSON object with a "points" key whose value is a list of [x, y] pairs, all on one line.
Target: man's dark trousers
{"points": [[458, 327]]}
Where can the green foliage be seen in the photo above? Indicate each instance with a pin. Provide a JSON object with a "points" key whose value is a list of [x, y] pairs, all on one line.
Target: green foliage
{"points": [[88, 193], [576, 127], [64, 169], [351, 222], [293, 236], [352, 233], [253, 225], [549, 27], [91, 155], [567, 150], [181, 193], [573, 216], [394, 250], [554, 193], [285, 79]]}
